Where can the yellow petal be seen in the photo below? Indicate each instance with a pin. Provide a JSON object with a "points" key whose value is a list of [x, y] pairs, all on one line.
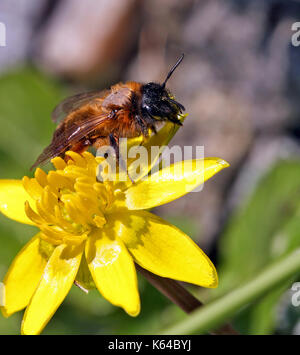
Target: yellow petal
{"points": [[161, 139], [164, 250], [172, 182], [12, 200], [23, 276], [113, 270], [56, 281]]}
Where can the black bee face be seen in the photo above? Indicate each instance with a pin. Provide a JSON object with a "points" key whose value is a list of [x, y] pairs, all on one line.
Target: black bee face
{"points": [[158, 103]]}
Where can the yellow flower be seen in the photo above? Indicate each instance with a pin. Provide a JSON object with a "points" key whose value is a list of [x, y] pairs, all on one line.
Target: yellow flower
{"points": [[93, 232]]}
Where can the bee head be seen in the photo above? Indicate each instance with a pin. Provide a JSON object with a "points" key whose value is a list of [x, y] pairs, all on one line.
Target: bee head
{"points": [[158, 102]]}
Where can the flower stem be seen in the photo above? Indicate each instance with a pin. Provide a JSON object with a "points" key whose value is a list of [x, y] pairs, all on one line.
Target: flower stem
{"points": [[180, 296], [173, 290], [225, 307]]}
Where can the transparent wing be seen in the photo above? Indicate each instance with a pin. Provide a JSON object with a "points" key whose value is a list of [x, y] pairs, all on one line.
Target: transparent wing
{"points": [[72, 103], [64, 137]]}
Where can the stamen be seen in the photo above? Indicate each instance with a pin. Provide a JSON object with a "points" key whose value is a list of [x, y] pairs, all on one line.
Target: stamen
{"points": [[58, 163], [41, 177], [34, 217], [66, 195], [33, 188], [77, 158], [59, 181]]}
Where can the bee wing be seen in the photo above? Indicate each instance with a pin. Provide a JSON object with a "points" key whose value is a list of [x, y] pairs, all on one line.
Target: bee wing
{"points": [[74, 102], [64, 137]]}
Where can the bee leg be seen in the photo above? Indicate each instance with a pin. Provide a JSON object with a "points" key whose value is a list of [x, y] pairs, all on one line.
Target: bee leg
{"points": [[154, 129], [150, 120], [142, 125], [175, 120], [114, 142]]}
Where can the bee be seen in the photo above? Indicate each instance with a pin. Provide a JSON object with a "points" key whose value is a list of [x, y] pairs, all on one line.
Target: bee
{"points": [[101, 118]]}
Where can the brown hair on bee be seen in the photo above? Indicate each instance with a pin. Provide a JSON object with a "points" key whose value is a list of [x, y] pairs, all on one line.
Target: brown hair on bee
{"points": [[103, 117]]}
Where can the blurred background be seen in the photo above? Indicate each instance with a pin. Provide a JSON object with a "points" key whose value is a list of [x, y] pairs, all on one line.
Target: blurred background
{"points": [[240, 84]]}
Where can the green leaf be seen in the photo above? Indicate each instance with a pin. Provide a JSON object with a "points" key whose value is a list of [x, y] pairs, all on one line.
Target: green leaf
{"points": [[265, 228], [26, 101]]}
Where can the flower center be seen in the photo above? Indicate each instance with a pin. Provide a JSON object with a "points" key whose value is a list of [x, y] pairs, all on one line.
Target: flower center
{"points": [[70, 202]]}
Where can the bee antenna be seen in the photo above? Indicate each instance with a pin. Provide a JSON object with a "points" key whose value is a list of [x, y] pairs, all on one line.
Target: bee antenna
{"points": [[172, 70]]}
